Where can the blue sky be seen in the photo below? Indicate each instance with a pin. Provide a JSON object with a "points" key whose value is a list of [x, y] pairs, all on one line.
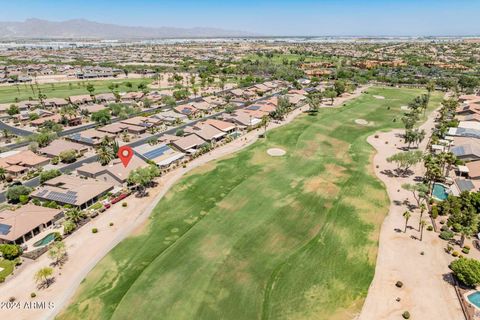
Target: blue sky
{"points": [[280, 17]]}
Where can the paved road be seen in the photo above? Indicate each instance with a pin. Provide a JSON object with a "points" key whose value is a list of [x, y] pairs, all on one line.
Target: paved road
{"points": [[15, 130]]}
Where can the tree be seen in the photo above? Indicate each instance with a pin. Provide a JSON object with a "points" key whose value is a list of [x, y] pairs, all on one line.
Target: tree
{"points": [[467, 271], [57, 252], [420, 191], [422, 226], [404, 160], [44, 277], [68, 156], [75, 215], [90, 88], [105, 155], [10, 251], [14, 192], [2, 174], [101, 117], [313, 103], [68, 226], [13, 110], [340, 87], [229, 108], [143, 177], [264, 124], [407, 216], [330, 94], [49, 174]]}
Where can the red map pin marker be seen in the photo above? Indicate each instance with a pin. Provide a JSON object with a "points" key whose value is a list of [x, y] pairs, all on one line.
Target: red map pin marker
{"points": [[125, 153]]}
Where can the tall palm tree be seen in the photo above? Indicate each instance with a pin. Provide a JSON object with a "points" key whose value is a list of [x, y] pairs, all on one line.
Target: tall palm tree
{"points": [[422, 226], [265, 120], [407, 216], [105, 155], [74, 215], [422, 210]]}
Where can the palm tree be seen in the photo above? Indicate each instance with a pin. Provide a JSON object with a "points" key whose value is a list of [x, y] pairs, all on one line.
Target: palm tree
{"points": [[422, 226], [74, 215], [265, 120], [422, 210], [407, 216], [2, 173], [43, 276], [105, 155]]}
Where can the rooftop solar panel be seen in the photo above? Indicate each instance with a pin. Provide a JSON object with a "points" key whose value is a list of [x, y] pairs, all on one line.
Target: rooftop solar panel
{"points": [[156, 152], [4, 228]]}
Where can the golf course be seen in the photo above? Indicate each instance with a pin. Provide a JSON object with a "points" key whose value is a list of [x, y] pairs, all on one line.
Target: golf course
{"points": [[255, 236]]}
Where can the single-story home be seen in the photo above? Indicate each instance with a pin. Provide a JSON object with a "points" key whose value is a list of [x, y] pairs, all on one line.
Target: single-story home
{"points": [[189, 144], [114, 173], [59, 145], [20, 225], [72, 190]]}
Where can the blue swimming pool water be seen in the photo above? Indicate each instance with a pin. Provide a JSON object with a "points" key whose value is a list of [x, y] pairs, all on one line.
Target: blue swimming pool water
{"points": [[439, 191], [474, 298], [44, 241]]}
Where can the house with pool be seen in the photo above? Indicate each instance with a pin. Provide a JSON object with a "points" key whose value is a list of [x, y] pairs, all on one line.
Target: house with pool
{"points": [[20, 225]]}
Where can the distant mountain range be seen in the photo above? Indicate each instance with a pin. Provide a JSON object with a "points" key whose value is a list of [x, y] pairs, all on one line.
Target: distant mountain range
{"points": [[84, 29]]}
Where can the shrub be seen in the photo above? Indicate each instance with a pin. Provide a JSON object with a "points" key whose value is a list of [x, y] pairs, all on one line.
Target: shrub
{"points": [[124, 204], [23, 199], [94, 230], [406, 315], [466, 251], [399, 284], [10, 251], [467, 271], [14, 192], [58, 236], [449, 248], [33, 294], [466, 247], [442, 222], [429, 228], [111, 224], [446, 235], [2, 279], [55, 160], [455, 253]]}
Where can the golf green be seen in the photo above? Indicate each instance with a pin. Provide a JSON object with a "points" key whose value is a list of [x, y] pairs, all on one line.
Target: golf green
{"points": [[258, 237]]}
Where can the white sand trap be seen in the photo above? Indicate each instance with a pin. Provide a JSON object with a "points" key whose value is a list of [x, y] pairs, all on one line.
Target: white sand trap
{"points": [[276, 152], [405, 107], [379, 97], [1, 269], [362, 122]]}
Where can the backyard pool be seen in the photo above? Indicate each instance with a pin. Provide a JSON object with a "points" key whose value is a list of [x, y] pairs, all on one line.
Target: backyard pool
{"points": [[439, 191], [474, 299], [44, 241]]}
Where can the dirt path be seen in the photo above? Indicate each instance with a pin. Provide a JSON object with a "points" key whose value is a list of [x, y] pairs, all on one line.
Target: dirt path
{"points": [[86, 249], [425, 294]]}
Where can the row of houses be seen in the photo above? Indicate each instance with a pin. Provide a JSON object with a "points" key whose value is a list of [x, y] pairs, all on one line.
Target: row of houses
{"points": [[464, 142]]}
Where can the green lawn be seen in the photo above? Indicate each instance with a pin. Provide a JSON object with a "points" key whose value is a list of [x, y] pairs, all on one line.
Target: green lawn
{"points": [[256, 237], [64, 89], [8, 267]]}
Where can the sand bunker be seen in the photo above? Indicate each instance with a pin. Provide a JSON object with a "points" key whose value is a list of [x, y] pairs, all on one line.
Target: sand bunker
{"points": [[379, 97], [276, 152], [405, 107], [362, 122]]}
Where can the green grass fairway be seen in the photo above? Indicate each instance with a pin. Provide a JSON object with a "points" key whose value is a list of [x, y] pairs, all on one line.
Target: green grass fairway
{"points": [[64, 89], [259, 237]]}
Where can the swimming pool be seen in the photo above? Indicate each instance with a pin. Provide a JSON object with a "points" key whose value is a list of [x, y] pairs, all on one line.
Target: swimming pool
{"points": [[474, 299], [440, 191], [45, 240]]}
